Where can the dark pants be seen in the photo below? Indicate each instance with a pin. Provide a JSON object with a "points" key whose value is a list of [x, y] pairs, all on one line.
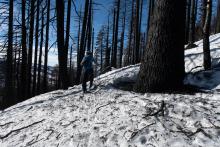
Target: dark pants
{"points": [[87, 75]]}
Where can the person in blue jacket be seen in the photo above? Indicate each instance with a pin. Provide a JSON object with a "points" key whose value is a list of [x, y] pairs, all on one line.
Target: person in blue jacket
{"points": [[87, 70]]}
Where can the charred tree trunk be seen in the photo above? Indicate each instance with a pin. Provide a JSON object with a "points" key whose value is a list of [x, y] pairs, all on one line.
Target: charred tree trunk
{"points": [[29, 69], [89, 27], [122, 38], [24, 55], [129, 53], [150, 13], [192, 25], [113, 37], [206, 33], [40, 54], [108, 50], [82, 41], [9, 83], [203, 8], [187, 21], [137, 35], [162, 68], [218, 18], [139, 31], [45, 80], [36, 50], [115, 49], [62, 52]]}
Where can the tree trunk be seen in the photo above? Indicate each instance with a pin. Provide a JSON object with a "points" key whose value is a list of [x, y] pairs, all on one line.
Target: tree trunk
{"points": [[137, 35], [82, 41], [163, 65], [40, 54], [115, 49], [113, 37], [9, 82], [62, 52], [218, 18], [206, 33], [24, 55], [45, 80], [36, 50], [139, 32], [187, 21], [89, 27], [122, 38], [108, 50], [29, 69], [150, 13], [192, 24]]}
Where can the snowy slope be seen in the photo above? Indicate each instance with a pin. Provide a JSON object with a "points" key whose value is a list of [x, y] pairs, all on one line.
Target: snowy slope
{"points": [[110, 117]]}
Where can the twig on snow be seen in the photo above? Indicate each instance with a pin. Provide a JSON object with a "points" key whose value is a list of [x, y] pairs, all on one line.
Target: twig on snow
{"points": [[97, 109], [158, 111], [19, 129], [2, 125]]}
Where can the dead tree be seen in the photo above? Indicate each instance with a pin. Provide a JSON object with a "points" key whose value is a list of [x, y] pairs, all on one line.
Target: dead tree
{"points": [[36, 49], [162, 67], [206, 33], [9, 82], [45, 80], [40, 53], [115, 45], [24, 54], [62, 52], [81, 52], [30, 49]]}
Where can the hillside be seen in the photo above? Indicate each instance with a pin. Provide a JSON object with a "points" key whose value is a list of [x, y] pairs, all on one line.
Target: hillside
{"points": [[110, 117]]}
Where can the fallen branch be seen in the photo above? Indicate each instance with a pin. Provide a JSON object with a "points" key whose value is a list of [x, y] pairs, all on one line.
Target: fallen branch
{"points": [[19, 129], [71, 122], [97, 109], [158, 111], [138, 131], [190, 134], [2, 125], [51, 132]]}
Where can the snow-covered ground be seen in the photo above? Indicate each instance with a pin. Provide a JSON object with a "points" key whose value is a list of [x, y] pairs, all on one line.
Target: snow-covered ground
{"points": [[109, 117]]}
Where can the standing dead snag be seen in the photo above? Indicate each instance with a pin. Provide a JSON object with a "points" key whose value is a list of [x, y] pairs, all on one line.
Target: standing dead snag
{"points": [[206, 33], [162, 67]]}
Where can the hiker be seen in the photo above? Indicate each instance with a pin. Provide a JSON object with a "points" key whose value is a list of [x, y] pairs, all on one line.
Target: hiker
{"points": [[87, 70]]}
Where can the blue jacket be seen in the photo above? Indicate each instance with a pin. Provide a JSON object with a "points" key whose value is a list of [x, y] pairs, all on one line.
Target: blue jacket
{"points": [[87, 62]]}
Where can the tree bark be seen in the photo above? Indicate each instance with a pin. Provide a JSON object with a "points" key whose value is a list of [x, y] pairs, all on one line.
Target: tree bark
{"points": [[115, 47], [108, 50], [162, 68], [192, 23], [45, 80], [36, 49], [29, 69], [24, 55], [9, 82], [206, 33], [40, 54], [122, 38], [137, 35], [82, 41], [218, 18], [62, 52]]}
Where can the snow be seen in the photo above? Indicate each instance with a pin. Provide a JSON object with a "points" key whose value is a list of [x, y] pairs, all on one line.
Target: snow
{"points": [[110, 117]]}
